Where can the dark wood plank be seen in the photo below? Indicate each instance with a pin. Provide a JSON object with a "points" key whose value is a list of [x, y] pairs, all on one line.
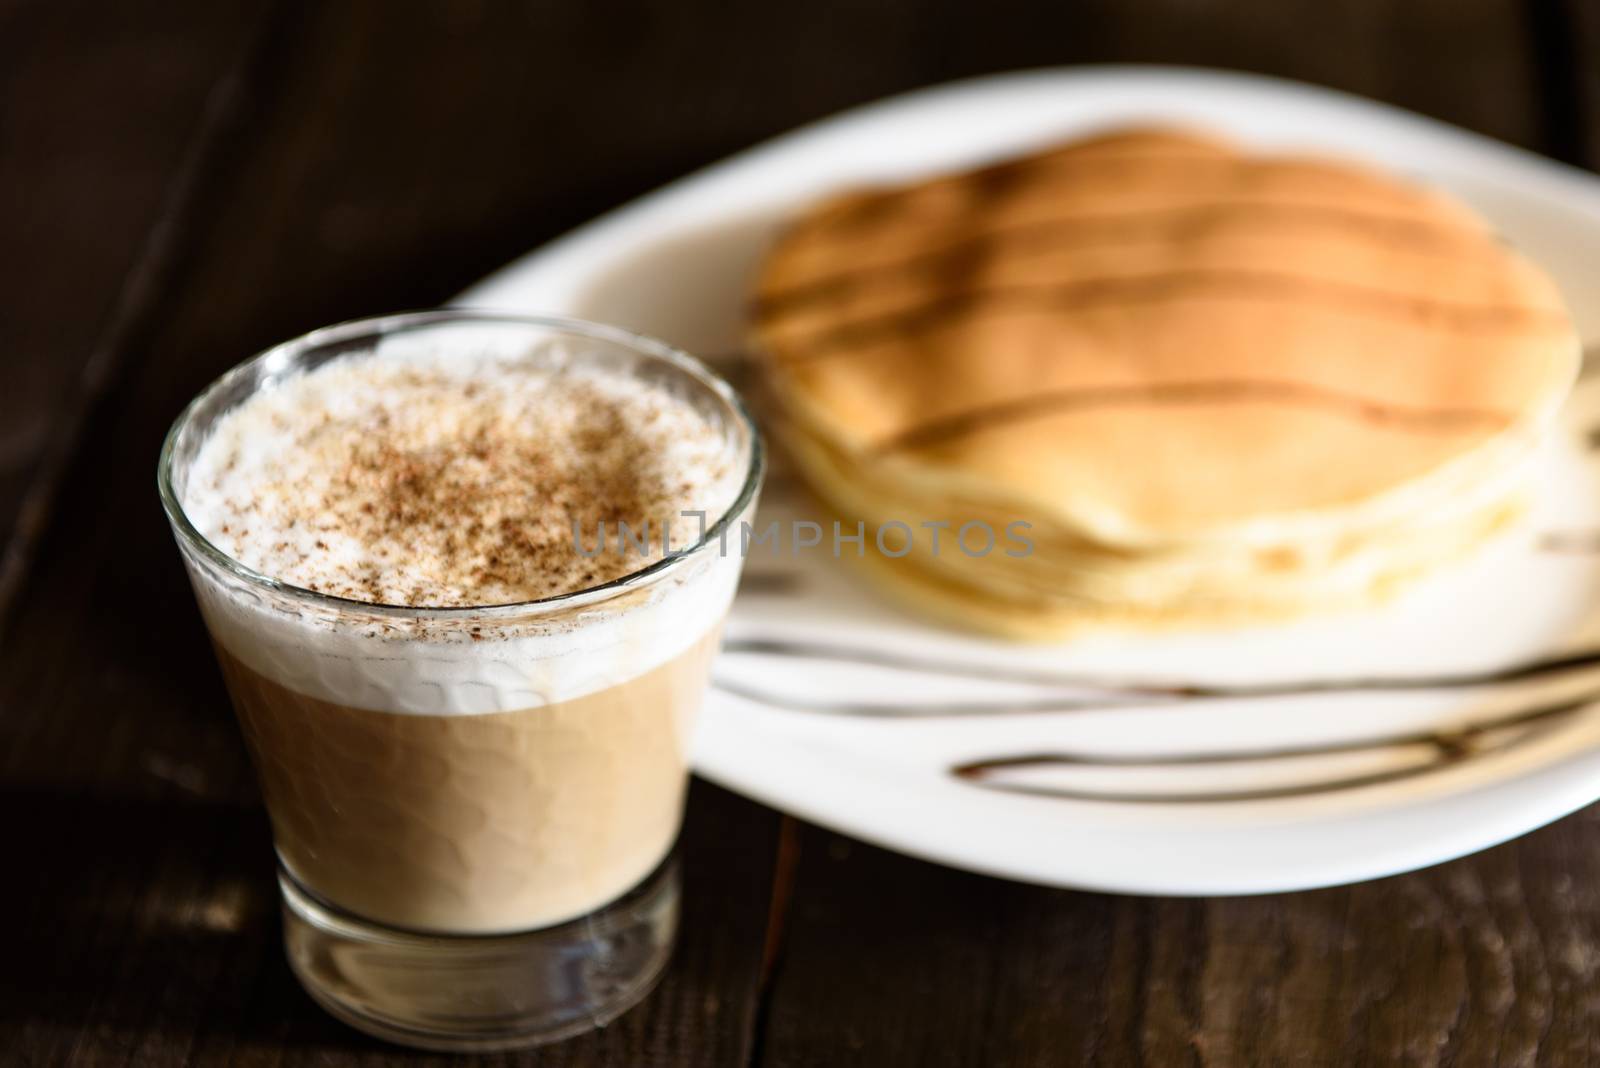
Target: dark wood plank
{"points": [[1487, 960], [1571, 29], [106, 116], [890, 961]]}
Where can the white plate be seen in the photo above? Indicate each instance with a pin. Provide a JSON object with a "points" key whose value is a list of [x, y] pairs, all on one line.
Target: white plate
{"points": [[675, 264]]}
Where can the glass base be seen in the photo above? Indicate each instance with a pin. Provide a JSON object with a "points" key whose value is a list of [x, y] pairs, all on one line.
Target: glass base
{"points": [[482, 992]]}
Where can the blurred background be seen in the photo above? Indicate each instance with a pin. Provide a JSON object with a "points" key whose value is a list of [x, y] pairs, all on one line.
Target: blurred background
{"points": [[322, 160], [302, 162], [312, 161]]}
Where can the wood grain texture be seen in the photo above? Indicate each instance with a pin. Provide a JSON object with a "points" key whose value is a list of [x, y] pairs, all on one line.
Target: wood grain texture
{"points": [[146, 932], [1487, 960], [103, 135], [184, 185]]}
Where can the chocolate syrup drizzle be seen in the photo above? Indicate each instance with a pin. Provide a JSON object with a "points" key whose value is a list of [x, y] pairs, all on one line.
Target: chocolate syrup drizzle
{"points": [[1043, 171], [1570, 542], [867, 206], [954, 260], [1102, 692], [1163, 286], [1222, 391], [1445, 747]]}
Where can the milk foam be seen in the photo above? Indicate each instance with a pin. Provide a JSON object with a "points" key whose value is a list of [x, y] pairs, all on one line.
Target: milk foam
{"points": [[258, 493], [437, 669], [422, 478]]}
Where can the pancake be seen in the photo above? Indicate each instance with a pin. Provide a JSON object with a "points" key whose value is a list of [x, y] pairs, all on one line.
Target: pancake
{"points": [[1218, 385]]}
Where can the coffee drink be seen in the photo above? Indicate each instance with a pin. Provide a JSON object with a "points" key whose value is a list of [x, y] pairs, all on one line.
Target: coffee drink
{"points": [[464, 577], [495, 777], [502, 821]]}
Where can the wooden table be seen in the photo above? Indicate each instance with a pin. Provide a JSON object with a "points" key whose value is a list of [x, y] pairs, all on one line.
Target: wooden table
{"points": [[184, 183]]}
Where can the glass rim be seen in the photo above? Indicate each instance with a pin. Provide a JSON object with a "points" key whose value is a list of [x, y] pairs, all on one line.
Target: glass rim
{"points": [[379, 326]]}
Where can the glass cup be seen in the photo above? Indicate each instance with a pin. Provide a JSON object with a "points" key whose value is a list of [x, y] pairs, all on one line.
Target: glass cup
{"points": [[474, 809]]}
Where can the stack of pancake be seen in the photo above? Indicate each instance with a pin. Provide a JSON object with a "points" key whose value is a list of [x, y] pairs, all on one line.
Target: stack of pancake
{"points": [[1218, 387]]}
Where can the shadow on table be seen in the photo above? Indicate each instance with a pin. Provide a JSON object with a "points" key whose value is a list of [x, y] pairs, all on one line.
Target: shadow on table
{"points": [[150, 922], [149, 927]]}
